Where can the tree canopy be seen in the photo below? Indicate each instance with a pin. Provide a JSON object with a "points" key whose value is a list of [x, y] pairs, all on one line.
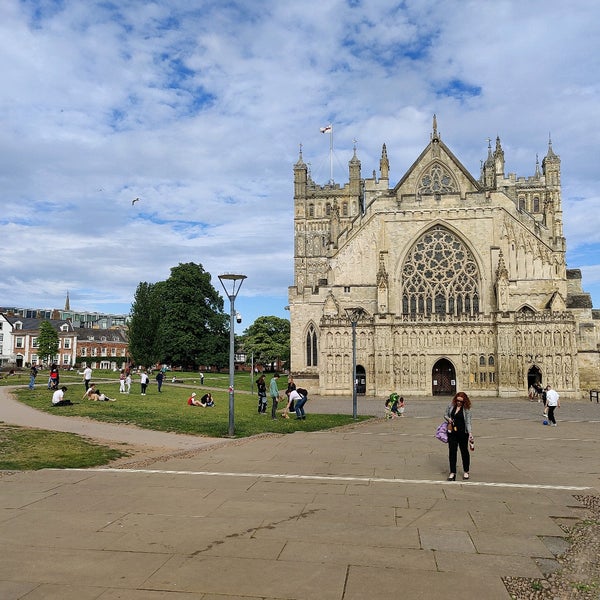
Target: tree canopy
{"points": [[47, 341], [179, 321], [269, 339]]}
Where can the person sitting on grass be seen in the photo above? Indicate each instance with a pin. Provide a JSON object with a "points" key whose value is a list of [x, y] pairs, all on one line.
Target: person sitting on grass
{"points": [[205, 401], [58, 397], [93, 393]]}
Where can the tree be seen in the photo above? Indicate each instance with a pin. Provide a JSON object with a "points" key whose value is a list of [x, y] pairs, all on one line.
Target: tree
{"points": [[144, 324], [193, 329], [47, 342], [269, 339]]}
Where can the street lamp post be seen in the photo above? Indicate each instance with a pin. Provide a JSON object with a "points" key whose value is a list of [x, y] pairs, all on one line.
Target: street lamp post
{"points": [[236, 284], [354, 314]]}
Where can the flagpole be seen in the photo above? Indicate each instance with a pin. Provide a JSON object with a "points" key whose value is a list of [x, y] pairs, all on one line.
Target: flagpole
{"points": [[331, 154]]}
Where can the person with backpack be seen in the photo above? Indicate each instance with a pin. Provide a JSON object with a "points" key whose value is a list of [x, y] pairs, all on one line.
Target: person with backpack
{"points": [[300, 398], [261, 387]]}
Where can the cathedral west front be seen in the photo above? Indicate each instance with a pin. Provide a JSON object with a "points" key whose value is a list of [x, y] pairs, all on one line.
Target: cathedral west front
{"points": [[441, 282]]}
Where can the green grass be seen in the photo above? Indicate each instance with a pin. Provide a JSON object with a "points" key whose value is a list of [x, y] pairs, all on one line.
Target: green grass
{"points": [[32, 449], [169, 411]]}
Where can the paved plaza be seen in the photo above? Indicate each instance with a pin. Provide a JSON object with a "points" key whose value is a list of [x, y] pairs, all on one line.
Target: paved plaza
{"points": [[356, 513]]}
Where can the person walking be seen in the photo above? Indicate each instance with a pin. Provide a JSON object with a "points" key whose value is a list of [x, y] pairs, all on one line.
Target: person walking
{"points": [[32, 375], [552, 403], [159, 380], [460, 435], [128, 382], [261, 387], [87, 377], [144, 379], [274, 392], [122, 377]]}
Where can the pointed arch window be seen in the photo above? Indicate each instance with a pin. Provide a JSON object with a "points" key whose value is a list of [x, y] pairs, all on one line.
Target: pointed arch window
{"points": [[440, 276], [311, 347]]}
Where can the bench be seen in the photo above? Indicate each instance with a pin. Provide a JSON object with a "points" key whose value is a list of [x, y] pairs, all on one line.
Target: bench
{"points": [[594, 395]]}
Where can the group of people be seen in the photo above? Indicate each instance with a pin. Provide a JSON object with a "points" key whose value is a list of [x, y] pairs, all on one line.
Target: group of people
{"points": [[205, 401], [394, 406], [295, 398]]}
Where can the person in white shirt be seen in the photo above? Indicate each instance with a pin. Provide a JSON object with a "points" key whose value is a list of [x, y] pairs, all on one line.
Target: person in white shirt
{"points": [[58, 397], [87, 377], [144, 379], [552, 402]]}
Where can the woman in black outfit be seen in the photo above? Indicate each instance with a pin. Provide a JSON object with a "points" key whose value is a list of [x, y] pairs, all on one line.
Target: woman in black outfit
{"points": [[458, 417]]}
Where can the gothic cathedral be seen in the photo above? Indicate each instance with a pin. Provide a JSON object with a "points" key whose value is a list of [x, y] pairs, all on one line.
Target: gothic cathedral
{"points": [[440, 283]]}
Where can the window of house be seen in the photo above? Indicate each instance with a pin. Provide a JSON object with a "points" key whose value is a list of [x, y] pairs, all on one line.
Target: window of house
{"points": [[67, 343], [103, 352], [83, 351], [113, 351], [19, 342], [18, 325], [34, 342], [94, 351]]}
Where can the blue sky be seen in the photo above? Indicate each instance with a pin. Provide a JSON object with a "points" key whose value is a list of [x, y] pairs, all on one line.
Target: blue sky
{"points": [[198, 108]]}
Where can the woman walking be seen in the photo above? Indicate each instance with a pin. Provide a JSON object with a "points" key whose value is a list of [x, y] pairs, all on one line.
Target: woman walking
{"points": [[458, 417]]}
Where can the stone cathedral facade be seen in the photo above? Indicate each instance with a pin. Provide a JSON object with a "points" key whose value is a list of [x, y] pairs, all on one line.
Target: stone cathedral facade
{"points": [[442, 281]]}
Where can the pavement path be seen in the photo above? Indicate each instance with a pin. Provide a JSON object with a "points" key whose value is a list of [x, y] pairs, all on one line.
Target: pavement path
{"points": [[361, 512]]}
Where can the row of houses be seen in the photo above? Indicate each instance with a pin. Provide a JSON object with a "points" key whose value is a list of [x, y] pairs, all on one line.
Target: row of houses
{"points": [[77, 346]]}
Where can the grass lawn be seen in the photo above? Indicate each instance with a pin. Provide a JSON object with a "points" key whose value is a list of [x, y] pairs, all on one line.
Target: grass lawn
{"points": [[31, 449], [168, 411]]}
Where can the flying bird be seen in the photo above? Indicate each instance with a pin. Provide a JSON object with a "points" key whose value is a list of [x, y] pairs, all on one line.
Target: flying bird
{"points": [[134, 201]]}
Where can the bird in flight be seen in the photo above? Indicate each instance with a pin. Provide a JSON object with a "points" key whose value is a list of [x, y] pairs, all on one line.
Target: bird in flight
{"points": [[134, 201]]}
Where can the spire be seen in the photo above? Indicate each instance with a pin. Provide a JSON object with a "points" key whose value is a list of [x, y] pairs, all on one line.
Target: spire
{"points": [[384, 163], [435, 135], [537, 166], [67, 302], [300, 162]]}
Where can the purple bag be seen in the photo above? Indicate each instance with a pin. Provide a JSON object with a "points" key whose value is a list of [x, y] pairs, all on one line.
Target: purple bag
{"points": [[441, 433]]}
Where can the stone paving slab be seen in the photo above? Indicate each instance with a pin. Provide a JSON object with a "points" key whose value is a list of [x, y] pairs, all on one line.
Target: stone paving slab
{"points": [[360, 512]]}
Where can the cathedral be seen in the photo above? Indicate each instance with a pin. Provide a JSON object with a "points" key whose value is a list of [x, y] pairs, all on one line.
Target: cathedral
{"points": [[441, 282]]}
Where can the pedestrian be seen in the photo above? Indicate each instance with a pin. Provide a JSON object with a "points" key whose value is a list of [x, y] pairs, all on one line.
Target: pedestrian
{"points": [[274, 393], [458, 417], [54, 377], [261, 386], [58, 398], [144, 379], [552, 402], [128, 382], [543, 395], [159, 380], [32, 375], [201, 378], [300, 402], [122, 378], [87, 376]]}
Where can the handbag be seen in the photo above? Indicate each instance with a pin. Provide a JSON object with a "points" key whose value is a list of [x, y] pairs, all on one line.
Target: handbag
{"points": [[441, 433]]}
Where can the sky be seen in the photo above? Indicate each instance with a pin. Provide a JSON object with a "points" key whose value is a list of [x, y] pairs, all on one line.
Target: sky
{"points": [[198, 108]]}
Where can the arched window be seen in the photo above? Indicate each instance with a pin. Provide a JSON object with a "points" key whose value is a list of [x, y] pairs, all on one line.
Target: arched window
{"points": [[311, 210], [521, 203], [536, 204], [440, 275], [328, 209], [311, 347], [482, 361], [345, 209], [491, 361]]}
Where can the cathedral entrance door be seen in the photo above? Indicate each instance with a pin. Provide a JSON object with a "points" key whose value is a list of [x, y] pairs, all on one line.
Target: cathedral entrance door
{"points": [[443, 378], [361, 380], [534, 377]]}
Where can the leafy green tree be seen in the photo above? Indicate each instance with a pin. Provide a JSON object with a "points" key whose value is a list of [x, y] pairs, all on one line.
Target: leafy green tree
{"points": [[47, 341], [269, 339], [193, 328], [144, 324]]}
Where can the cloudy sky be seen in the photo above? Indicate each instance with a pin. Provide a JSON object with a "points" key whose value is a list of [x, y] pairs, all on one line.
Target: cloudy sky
{"points": [[198, 107]]}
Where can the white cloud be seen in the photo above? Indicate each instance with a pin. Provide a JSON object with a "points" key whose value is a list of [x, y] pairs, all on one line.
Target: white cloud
{"points": [[199, 112]]}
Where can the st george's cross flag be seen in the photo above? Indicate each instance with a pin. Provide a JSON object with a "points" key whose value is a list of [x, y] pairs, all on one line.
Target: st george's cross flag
{"points": [[327, 129]]}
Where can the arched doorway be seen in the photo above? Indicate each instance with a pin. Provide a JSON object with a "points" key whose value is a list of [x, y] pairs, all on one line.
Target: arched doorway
{"points": [[361, 380], [534, 377], [443, 378]]}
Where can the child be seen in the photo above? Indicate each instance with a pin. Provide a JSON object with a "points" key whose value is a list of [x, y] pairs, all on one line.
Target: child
{"points": [[391, 406], [122, 382], [128, 382]]}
